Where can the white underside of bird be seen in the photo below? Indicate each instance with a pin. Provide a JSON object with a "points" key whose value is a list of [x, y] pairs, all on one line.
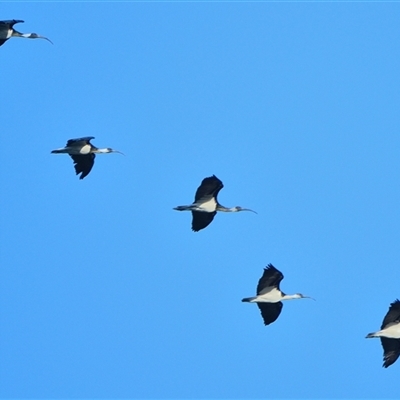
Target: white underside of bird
{"points": [[272, 296], [392, 332], [85, 149], [207, 206], [74, 150]]}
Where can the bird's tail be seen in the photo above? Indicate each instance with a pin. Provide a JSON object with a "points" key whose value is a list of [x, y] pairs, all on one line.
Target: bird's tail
{"points": [[248, 299], [371, 335], [181, 208]]}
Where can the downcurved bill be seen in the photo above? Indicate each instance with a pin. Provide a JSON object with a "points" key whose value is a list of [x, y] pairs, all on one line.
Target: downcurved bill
{"points": [[116, 151], [248, 209], [45, 38], [35, 36], [309, 297]]}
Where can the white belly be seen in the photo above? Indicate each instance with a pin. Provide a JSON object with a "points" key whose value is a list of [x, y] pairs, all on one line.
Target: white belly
{"points": [[392, 332], [208, 206], [85, 149], [273, 296]]}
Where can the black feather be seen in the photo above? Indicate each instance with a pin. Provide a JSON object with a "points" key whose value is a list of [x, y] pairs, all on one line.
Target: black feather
{"points": [[391, 350], [201, 219], [82, 140], [83, 163], [270, 278], [270, 311], [393, 315], [209, 187]]}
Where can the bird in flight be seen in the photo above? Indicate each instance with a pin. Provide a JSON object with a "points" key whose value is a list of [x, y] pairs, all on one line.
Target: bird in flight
{"points": [[83, 154], [205, 205], [269, 296], [390, 334], [7, 31]]}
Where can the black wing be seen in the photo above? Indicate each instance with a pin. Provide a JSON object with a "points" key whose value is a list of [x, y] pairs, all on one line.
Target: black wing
{"points": [[83, 140], [201, 220], [209, 187], [10, 22], [83, 164], [270, 311], [393, 315], [5, 26], [391, 350], [271, 277]]}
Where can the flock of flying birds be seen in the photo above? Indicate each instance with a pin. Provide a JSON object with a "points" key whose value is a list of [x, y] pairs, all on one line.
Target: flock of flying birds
{"points": [[204, 208]]}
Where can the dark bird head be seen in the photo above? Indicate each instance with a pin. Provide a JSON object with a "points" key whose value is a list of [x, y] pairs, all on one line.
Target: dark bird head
{"points": [[110, 150], [238, 208], [31, 36], [302, 296]]}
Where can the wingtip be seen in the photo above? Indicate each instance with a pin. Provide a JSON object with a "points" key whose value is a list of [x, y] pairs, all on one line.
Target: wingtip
{"points": [[387, 363]]}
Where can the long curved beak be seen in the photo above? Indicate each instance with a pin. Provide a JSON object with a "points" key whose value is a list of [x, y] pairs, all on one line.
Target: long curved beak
{"points": [[116, 151], [248, 209], [35, 36], [44, 37], [309, 297]]}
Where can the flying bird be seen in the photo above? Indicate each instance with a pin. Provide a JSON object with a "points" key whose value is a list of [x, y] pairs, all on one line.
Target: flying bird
{"points": [[390, 334], [269, 296], [205, 205], [7, 31], [83, 154]]}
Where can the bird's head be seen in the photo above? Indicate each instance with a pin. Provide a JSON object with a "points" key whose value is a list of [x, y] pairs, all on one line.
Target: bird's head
{"points": [[238, 208], [302, 296], [34, 36], [110, 150]]}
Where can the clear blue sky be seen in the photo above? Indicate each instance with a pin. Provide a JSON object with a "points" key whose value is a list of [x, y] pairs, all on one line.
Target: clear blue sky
{"points": [[104, 289]]}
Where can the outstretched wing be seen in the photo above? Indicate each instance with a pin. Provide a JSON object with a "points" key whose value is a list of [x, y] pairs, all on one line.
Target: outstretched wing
{"points": [[5, 26], [201, 219], [270, 278], [391, 350], [83, 164], [270, 311], [9, 23], [82, 141], [393, 315], [209, 187]]}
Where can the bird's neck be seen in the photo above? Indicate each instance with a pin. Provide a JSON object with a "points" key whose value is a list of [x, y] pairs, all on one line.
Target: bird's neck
{"points": [[102, 151], [14, 33], [290, 297], [24, 35], [227, 209]]}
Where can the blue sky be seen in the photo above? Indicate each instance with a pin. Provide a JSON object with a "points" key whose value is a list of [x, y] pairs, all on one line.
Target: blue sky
{"points": [[106, 292]]}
